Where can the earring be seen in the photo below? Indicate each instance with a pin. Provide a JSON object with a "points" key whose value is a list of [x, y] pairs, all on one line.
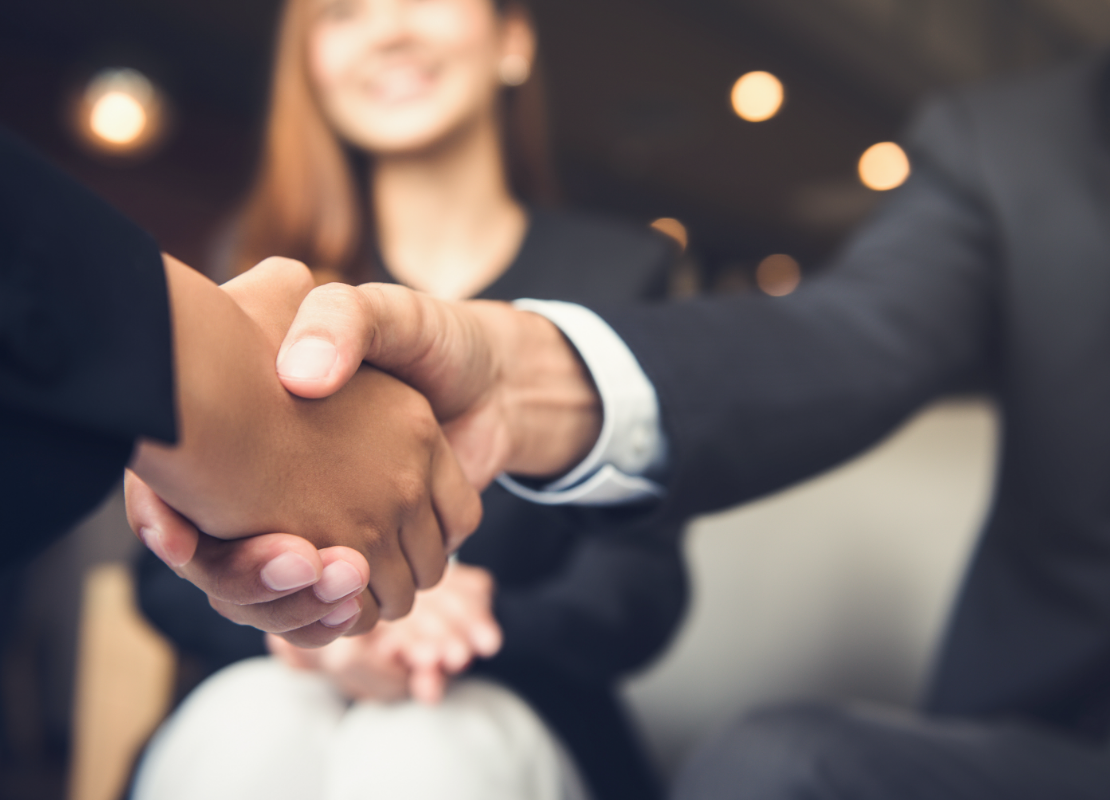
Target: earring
{"points": [[514, 70]]}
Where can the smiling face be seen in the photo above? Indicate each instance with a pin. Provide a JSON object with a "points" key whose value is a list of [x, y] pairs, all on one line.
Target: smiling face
{"points": [[400, 76]]}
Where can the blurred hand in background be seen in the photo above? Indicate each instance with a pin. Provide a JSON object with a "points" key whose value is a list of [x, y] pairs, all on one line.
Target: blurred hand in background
{"points": [[449, 626]]}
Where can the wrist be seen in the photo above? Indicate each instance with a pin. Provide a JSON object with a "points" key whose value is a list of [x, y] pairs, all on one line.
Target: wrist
{"points": [[550, 402]]}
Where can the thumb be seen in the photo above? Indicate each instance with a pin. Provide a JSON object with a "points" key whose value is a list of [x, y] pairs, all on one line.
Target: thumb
{"points": [[327, 342], [438, 348]]}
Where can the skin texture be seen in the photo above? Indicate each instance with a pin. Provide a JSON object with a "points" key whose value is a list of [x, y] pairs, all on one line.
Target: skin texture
{"points": [[510, 389], [413, 657], [366, 477]]}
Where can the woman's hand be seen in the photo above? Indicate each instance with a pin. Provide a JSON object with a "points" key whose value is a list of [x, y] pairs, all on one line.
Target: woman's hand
{"points": [[449, 626]]}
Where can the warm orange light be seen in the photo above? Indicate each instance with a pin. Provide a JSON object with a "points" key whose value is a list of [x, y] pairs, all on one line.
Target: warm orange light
{"points": [[757, 96], [778, 275], [120, 112], [884, 166], [673, 228], [118, 118]]}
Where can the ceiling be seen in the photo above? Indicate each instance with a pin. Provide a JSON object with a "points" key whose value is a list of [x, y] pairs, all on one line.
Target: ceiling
{"points": [[638, 88]]}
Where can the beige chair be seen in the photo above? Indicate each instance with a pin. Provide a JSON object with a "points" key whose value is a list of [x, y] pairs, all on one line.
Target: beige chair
{"points": [[835, 589], [124, 685]]}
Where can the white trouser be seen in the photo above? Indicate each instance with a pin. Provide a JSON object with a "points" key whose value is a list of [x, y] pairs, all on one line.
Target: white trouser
{"points": [[261, 730]]}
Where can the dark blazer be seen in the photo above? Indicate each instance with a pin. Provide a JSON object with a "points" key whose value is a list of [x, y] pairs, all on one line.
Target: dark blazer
{"points": [[989, 267], [581, 600], [85, 354]]}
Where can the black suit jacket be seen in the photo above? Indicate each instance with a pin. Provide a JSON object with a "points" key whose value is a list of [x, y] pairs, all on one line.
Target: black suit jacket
{"points": [[989, 267], [582, 598], [85, 354]]}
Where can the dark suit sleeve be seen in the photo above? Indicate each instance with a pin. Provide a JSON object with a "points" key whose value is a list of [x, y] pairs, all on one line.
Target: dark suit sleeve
{"points": [[611, 608], [759, 392], [85, 351]]}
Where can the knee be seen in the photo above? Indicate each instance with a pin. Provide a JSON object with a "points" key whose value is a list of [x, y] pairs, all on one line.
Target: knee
{"points": [[474, 717], [783, 753]]}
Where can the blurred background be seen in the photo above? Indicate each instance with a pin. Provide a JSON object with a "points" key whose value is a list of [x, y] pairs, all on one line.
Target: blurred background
{"points": [[740, 128]]}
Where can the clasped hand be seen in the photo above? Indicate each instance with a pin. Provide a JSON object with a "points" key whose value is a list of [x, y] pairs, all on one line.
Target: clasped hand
{"points": [[364, 486], [449, 626]]}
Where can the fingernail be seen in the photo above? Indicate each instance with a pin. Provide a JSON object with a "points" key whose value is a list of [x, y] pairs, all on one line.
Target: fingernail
{"points": [[287, 571], [155, 540], [338, 581], [457, 655], [341, 615], [487, 641], [308, 360]]}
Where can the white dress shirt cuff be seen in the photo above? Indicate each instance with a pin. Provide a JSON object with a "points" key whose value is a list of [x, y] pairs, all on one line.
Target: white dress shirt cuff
{"points": [[631, 445]]}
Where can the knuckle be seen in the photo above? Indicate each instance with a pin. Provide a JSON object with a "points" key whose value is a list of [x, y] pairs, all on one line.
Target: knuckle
{"points": [[229, 611], [336, 295], [289, 265], [398, 606], [483, 581], [431, 574], [410, 489]]}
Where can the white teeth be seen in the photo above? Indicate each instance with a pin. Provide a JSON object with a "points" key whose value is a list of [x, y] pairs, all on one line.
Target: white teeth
{"points": [[399, 84]]}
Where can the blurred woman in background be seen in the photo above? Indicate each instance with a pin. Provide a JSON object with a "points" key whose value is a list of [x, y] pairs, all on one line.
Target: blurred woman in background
{"points": [[406, 142]]}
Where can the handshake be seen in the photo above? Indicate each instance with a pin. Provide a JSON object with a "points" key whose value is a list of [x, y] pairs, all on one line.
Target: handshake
{"points": [[313, 499]]}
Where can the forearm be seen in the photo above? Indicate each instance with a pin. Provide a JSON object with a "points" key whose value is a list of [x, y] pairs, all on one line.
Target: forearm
{"points": [[228, 397]]}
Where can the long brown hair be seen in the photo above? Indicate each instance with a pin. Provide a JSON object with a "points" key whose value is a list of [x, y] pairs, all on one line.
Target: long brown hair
{"points": [[309, 200]]}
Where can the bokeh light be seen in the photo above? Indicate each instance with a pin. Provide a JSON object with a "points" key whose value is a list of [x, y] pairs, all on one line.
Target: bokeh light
{"points": [[884, 166], [757, 96], [120, 112], [118, 118], [671, 227], [778, 275]]}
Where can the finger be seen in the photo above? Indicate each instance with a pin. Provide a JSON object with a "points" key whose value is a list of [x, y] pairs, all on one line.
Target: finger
{"points": [[481, 444], [422, 544], [450, 651], [391, 578], [485, 637], [316, 634], [345, 573], [458, 507], [271, 292], [301, 608], [368, 617], [255, 570], [169, 535], [327, 342], [295, 657], [427, 685], [475, 625]]}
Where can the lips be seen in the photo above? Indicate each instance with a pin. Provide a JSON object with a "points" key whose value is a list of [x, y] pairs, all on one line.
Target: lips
{"points": [[401, 83]]}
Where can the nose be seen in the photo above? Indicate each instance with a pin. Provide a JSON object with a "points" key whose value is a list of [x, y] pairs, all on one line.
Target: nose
{"points": [[387, 21]]}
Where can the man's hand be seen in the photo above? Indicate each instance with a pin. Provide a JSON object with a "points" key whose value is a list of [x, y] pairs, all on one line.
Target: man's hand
{"points": [[509, 390], [448, 627], [368, 470]]}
